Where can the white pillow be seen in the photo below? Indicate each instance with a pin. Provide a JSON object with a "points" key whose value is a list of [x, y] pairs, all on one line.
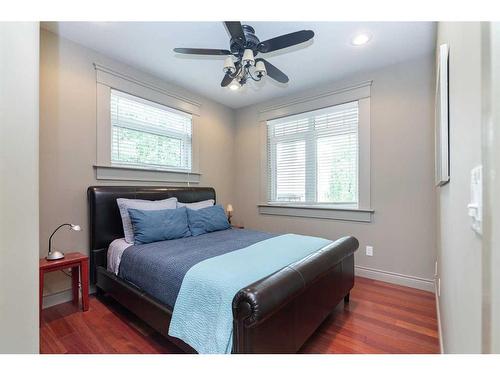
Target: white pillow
{"points": [[197, 205], [140, 204]]}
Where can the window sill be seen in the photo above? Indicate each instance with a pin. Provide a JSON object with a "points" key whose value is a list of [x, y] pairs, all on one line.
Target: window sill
{"points": [[128, 173], [317, 212]]}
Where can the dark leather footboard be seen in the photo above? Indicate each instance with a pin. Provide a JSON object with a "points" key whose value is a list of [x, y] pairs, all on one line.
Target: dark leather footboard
{"points": [[278, 313]]}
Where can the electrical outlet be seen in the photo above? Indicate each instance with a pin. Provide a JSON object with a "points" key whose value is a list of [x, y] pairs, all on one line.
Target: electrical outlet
{"points": [[436, 269], [369, 251]]}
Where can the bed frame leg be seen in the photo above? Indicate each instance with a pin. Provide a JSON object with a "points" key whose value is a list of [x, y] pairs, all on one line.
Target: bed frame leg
{"points": [[99, 292], [346, 298]]}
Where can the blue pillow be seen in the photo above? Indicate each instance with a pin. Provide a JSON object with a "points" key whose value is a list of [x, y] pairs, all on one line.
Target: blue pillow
{"points": [[205, 220], [159, 225]]}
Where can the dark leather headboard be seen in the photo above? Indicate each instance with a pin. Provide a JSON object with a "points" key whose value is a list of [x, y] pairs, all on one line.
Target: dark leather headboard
{"points": [[105, 222]]}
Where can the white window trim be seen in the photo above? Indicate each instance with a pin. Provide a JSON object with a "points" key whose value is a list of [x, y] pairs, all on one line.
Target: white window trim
{"points": [[317, 212], [107, 79], [363, 212], [128, 173]]}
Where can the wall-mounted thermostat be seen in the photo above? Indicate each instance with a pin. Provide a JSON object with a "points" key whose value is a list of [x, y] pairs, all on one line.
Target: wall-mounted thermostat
{"points": [[475, 206]]}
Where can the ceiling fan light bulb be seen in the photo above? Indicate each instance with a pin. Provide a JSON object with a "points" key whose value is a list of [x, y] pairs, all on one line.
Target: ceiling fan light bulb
{"points": [[229, 65], [248, 58], [260, 68], [235, 85]]}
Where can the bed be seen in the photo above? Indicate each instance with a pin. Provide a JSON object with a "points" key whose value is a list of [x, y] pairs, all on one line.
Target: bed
{"points": [[275, 314]]}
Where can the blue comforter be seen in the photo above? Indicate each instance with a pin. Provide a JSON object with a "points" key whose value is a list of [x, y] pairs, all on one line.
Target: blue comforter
{"points": [[158, 268], [203, 315]]}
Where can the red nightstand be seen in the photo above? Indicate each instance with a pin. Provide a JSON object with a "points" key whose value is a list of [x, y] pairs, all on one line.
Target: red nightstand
{"points": [[75, 261]]}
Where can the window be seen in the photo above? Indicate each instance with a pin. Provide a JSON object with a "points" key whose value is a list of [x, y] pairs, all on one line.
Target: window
{"points": [[145, 134], [313, 157]]}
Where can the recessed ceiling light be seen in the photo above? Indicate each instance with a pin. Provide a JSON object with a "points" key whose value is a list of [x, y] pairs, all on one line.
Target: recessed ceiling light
{"points": [[361, 39]]}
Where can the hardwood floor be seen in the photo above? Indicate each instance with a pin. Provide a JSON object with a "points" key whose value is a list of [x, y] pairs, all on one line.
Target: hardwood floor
{"points": [[380, 318]]}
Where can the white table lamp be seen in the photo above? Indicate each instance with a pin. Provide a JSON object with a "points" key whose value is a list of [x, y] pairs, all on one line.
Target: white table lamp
{"points": [[229, 210]]}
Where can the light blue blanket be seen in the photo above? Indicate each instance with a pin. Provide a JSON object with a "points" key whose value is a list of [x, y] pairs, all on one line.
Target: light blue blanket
{"points": [[202, 315]]}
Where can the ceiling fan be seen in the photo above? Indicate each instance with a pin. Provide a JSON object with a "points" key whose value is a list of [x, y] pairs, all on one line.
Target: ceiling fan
{"points": [[244, 47]]}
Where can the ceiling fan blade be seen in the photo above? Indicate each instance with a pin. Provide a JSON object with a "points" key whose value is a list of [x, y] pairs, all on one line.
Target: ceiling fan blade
{"points": [[274, 72], [284, 41], [203, 51], [235, 30], [226, 80]]}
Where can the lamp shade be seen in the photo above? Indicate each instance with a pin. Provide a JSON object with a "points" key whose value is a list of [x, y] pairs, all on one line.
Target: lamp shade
{"points": [[260, 68], [229, 65], [229, 208], [248, 57]]}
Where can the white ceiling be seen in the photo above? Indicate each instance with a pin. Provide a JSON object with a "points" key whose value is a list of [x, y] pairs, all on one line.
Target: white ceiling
{"points": [[328, 57]]}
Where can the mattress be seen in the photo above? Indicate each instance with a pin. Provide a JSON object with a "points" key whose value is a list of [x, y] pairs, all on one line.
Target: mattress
{"points": [[159, 268]]}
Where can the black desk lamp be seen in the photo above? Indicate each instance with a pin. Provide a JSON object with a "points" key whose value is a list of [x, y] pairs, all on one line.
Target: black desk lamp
{"points": [[55, 255]]}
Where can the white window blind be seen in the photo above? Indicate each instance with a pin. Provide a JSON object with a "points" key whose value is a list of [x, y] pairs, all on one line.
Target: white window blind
{"points": [[149, 135], [313, 157]]}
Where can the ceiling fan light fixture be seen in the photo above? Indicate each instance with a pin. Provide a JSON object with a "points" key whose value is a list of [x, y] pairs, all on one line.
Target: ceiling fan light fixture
{"points": [[260, 68], [240, 64], [361, 39], [229, 65], [248, 58]]}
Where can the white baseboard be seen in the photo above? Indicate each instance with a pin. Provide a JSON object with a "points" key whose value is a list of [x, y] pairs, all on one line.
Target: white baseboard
{"points": [[395, 278], [370, 273], [61, 297], [438, 313]]}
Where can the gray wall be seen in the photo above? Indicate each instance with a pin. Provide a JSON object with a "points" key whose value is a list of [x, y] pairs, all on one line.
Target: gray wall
{"points": [[459, 248], [68, 143], [402, 195], [492, 168], [19, 54], [490, 63], [402, 163]]}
